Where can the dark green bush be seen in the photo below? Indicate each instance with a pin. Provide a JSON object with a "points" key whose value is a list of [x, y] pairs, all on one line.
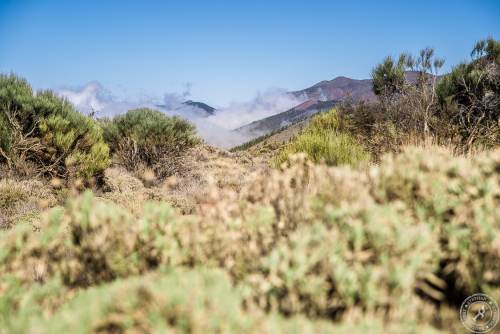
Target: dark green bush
{"points": [[389, 77], [149, 138], [460, 110], [43, 133], [470, 95]]}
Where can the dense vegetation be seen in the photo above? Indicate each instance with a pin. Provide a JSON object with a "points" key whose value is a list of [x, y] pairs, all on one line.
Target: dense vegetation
{"points": [[459, 110], [310, 241], [385, 220], [324, 141], [146, 138], [470, 95], [416, 106], [43, 134]]}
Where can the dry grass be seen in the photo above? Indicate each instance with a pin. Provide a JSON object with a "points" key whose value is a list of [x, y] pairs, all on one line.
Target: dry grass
{"points": [[204, 167], [22, 200]]}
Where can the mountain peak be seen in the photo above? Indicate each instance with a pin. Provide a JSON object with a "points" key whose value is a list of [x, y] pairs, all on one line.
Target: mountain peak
{"points": [[339, 88], [208, 109]]}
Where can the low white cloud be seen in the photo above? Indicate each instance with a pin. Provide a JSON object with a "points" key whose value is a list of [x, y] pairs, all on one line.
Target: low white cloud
{"points": [[263, 105], [94, 98], [87, 99], [215, 129]]}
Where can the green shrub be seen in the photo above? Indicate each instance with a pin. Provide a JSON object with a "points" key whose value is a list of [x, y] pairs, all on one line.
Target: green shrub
{"points": [[181, 301], [459, 199], [186, 301], [389, 77], [323, 141], [370, 258], [43, 133], [149, 138], [85, 243], [21, 304], [326, 121], [363, 248], [333, 149], [470, 96]]}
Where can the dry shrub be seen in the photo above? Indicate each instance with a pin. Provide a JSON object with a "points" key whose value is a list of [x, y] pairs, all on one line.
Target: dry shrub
{"points": [[388, 127], [21, 201], [308, 240], [90, 241], [42, 134], [123, 188], [357, 257], [459, 198], [204, 167], [173, 300], [85, 243], [459, 109], [148, 139]]}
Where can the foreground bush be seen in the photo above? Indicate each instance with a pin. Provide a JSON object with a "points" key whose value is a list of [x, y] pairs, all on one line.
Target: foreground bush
{"points": [[323, 141], [459, 199], [336, 244], [148, 138], [86, 243], [187, 301], [358, 257], [154, 303], [43, 134], [182, 301]]}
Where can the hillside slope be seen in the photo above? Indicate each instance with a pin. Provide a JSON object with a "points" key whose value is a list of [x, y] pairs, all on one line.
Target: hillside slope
{"points": [[339, 88], [321, 96], [281, 120]]}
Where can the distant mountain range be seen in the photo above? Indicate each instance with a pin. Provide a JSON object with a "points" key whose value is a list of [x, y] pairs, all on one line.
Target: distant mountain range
{"points": [[208, 109], [199, 109], [321, 96], [286, 118], [339, 89]]}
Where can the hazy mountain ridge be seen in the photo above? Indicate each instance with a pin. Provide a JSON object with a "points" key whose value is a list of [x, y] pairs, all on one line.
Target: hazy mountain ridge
{"points": [[200, 105], [319, 97], [339, 88], [289, 117]]}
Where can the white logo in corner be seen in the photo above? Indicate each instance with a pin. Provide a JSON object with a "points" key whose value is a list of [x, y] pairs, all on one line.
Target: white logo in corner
{"points": [[479, 313]]}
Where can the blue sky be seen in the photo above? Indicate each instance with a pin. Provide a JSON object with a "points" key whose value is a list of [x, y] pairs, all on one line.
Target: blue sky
{"points": [[227, 50]]}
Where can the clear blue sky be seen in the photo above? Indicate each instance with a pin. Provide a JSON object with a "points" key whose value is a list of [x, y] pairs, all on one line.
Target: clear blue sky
{"points": [[228, 50]]}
